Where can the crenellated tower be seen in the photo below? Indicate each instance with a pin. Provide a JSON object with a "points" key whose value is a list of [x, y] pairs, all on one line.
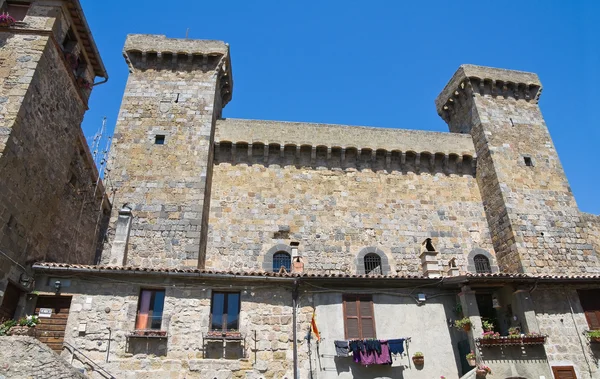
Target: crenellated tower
{"points": [[161, 158], [532, 214]]}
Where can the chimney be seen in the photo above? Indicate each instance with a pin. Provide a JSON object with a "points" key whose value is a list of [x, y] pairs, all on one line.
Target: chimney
{"points": [[452, 269], [297, 264], [429, 261]]}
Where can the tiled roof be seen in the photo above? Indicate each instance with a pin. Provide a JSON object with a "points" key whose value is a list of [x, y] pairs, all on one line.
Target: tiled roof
{"points": [[121, 269], [503, 275]]}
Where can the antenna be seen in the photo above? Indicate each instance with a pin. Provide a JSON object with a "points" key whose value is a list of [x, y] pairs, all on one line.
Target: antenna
{"points": [[187, 32]]}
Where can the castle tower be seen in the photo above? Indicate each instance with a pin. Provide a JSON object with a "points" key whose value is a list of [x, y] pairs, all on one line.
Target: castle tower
{"points": [[50, 195], [161, 158], [532, 214]]}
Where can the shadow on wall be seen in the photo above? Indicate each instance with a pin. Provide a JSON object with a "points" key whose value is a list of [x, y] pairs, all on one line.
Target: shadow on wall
{"points": [[343, 158], [346, 364]]}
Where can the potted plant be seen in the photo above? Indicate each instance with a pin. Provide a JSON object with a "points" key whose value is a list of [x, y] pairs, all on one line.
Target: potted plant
{"points": [[534, 338], [482, 371], [464, 324], [25, 325], [472, 359], [594, 335], [418, 359], [6, 20], [489, 338], [487, 326]]}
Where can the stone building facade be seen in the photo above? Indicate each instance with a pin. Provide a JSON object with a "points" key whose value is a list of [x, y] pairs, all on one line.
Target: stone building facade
{"points": [[52, 202], [228, 238]]}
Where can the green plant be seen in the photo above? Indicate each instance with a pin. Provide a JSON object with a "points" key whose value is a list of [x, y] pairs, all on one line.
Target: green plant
{"points": [[5, 327], [484, 368], [471, 355], [462, 323], [593, 333], [418, 354], [514, 331], [29, 321], [488, 335], [488, 326]]}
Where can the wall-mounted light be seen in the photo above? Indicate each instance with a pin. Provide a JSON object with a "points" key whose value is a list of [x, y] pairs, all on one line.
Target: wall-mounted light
{"points": [[57, 287], [421, 297]]}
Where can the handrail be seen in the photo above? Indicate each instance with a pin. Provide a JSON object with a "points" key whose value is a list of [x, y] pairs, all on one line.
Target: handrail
{"points": [[92, 363]]}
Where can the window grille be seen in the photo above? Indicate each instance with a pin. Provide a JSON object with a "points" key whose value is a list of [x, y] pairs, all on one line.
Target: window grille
{"points": [[372, 264], [482, 264], [282, 259]]}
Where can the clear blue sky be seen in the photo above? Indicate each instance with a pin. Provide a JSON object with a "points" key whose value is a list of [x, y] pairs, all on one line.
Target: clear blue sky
{"points": [[377, 63]]}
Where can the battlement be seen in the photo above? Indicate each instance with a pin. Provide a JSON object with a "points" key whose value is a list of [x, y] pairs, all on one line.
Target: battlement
{"points": [[157, 52], [471, 80], [345, 147]]}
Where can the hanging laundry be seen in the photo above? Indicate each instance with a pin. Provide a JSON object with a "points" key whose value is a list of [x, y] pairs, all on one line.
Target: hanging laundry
{"points": [[356, 346], [385, 358], [342, 348], [396, 346]]}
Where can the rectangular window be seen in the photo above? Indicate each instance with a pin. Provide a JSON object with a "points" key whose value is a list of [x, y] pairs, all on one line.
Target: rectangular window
{"points": [[590, 302], [17, 10], [159, 139], [150, 310], [359, 322], [225, 311], [528, 161]]}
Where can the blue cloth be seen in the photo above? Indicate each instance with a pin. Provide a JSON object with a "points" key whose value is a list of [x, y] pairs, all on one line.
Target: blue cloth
{"points": [[396, 346]]}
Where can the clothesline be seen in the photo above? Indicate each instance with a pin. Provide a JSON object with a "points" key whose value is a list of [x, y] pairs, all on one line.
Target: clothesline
{"points": [[371, 351]]}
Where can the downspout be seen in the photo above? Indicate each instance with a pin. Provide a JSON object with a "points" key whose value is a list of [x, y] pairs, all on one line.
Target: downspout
{"points": [[295, 344], [101, 82]]}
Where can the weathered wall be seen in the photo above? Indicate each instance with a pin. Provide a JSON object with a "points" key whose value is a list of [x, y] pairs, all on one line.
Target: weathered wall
{"points": [[26, 357], [112, 304], [49, 204], [560, 316], [335, 213], [177, 96], [533, 217], [395, 317], [591, 225]]}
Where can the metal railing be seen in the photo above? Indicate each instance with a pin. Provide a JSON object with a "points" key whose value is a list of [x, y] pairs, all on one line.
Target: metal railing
{"points": [[87, 361]]}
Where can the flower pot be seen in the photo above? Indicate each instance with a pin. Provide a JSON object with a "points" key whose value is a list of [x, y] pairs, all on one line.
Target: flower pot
{"points": [[21, 331], [481, 374], [472, 362], [595, 339], [467, 327], [418, 361]]}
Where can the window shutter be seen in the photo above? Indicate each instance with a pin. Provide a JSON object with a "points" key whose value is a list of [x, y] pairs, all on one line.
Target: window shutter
{"points": [[367, 321], [351, 318], [593, 319], [590, 302]]}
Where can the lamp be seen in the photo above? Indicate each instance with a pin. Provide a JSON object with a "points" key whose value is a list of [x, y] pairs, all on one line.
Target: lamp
{"points": [[57, 287]]}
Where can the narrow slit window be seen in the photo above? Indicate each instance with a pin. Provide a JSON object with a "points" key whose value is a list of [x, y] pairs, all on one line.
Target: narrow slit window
{"points": [[528, 161], [159, 139]]}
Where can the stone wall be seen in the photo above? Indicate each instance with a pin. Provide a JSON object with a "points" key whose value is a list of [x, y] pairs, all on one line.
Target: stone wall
{"points": [[560, 316], [50, 200], [335, 213], [591, 224], [532, 214], [167, 185], [107, 309], [26, 357]]}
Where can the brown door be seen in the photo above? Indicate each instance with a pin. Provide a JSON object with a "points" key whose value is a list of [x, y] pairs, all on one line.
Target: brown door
{"points": [[9, 302], [564, 372], [53, 320]]}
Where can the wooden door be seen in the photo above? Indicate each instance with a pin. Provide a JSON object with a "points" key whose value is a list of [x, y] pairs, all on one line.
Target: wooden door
{"points": [[9, 302], [564, 372], [51, 330]]}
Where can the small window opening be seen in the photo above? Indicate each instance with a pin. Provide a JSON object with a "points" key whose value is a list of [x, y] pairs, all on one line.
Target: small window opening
{"points": [[528, 161], [159, 139], [482, 264], [282, 259], [372, 264]]}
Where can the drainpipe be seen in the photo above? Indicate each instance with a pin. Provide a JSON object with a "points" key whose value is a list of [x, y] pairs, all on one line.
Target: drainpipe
{"points": [[294, 305]]}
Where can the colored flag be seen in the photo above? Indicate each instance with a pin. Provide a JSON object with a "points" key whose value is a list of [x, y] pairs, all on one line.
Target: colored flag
{"points": [[313, 326]]}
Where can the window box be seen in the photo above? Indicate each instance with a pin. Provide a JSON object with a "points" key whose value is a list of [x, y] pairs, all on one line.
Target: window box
{"points": [[220, 335], [504, 341], [534, 340], [148, 334]]}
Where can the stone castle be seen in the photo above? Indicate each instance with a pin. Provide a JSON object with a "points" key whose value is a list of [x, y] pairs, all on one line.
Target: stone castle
{"points": [[222, 240]]}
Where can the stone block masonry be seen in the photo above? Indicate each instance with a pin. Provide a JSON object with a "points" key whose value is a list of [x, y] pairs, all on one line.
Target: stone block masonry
{"points": [[161, 158], [51, 201]]}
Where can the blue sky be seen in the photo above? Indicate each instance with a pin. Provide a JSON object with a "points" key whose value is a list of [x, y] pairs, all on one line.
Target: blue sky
{"points": [[377, 63]]}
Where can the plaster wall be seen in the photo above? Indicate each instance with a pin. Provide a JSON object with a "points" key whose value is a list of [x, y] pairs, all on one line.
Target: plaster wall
{"points": [[395, 317]]}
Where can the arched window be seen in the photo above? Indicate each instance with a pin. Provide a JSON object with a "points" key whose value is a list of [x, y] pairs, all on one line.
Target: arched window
{"points": [[281, 258], [372, 264], [482, 264]]}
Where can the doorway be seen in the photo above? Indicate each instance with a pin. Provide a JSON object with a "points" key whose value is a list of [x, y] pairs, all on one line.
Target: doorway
{"points": [[53, 312]]}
